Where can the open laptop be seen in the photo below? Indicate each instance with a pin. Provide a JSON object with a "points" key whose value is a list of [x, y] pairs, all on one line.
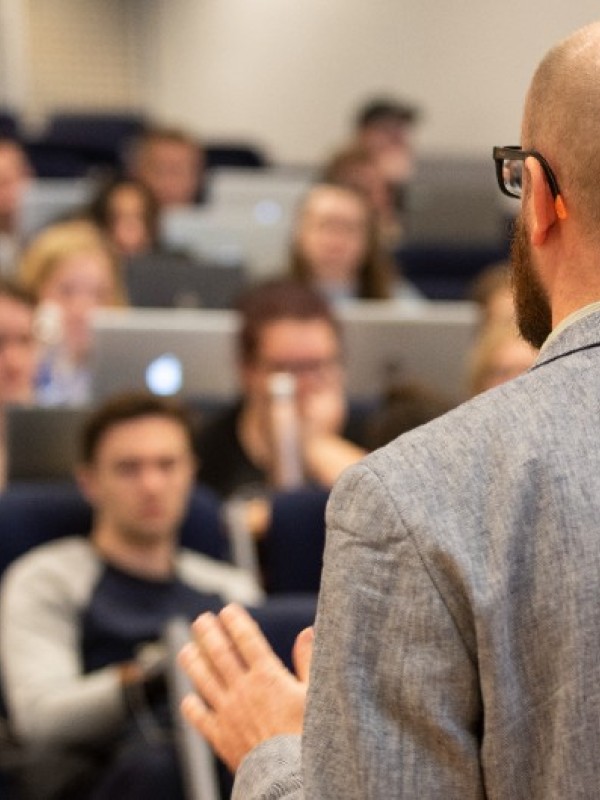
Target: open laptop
{"points": [[258, 238], [385, 343], [263, 191], [454, 201], [185, 352], [175, 280], [42, 443]]}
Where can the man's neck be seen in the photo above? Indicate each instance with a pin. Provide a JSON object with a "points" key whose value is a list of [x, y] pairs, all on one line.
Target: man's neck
{"points": [[570, 295], [153, 560], [570, 272]]}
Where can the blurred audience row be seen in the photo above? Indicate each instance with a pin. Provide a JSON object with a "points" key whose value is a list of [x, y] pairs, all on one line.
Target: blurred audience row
{"points": [[342, 237], [289, 347], [74, 266]]}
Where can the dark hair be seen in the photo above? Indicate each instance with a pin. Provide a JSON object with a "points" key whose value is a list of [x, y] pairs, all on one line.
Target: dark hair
{"points": [[384, 108], [341, 163], [275, 300], [14, 291], [375, 273], [100, 212], [156, 133], [124, 407]]}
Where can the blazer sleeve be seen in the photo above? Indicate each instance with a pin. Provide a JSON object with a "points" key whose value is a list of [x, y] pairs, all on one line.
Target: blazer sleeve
{"points": [[394, 707]]}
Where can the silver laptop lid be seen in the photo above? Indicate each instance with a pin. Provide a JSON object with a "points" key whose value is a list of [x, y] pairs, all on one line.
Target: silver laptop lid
{"points": [[384, 341], [184, 352]]}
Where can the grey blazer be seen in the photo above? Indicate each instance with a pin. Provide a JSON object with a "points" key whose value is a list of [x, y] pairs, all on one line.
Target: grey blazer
{"points": [[458, 634]]}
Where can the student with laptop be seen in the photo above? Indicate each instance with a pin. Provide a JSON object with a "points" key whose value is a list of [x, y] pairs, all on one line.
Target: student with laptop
{"points": [[336, 248], [287, 329], [72, 270], [127, 212]]}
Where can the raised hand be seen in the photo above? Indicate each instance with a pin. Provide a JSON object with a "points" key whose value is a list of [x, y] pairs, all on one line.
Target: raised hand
{"points": [[245, 695]]}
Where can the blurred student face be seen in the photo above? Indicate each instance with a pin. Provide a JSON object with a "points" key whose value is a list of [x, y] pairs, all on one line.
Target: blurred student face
{"points": [[171, 170], [78, 285], [140, 479], [128, 221], [14, 176], [18, 352], [309, 349], [385, 134], [332, 235], [367, 178], [390, 143], [500, 306]]}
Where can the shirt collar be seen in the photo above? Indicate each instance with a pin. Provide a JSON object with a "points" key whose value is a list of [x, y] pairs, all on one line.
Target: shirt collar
{"points": [[582, 312]]}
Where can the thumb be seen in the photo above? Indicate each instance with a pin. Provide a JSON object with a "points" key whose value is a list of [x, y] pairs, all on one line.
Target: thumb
{"points": [[302, 653]]}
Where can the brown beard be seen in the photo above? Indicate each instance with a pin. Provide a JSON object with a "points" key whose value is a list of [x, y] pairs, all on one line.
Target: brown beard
{"points": [[534, 315]]}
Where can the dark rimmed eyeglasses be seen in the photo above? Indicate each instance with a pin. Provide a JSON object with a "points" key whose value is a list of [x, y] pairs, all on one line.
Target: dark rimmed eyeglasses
{"points": [[509, 171]]}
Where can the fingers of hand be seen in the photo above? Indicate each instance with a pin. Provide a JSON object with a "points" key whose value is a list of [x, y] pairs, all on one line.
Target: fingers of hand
{"points": [[200, 673], [302, 653], [195, 711], [246, 635], [216, 649], [208, 724]]}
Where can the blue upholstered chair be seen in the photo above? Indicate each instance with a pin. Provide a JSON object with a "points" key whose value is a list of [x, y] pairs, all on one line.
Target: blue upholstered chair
{"points": [[9, 124], [34, 513], [292, 550]]}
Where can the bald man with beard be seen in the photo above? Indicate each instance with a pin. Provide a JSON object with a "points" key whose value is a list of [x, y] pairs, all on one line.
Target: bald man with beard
{"points": [[456, 642]]}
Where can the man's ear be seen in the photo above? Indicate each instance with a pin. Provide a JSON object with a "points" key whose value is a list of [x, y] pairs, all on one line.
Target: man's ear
{"points": [[542, 211]]}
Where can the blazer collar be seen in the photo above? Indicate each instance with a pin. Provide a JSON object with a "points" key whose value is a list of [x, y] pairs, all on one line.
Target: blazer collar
{"points": [[582, 334]]}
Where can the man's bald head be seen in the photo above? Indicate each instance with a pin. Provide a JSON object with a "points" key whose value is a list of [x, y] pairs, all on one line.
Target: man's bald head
{"points": [[562, 120]]}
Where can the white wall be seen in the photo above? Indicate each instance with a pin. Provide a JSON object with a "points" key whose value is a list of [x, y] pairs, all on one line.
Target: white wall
{"points": [[82, 54], [13, 81], [289, 73], [79, 56]]}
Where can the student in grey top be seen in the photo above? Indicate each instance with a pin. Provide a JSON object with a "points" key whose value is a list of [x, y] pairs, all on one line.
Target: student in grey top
{"points": [[456, 642], [81, 617]]}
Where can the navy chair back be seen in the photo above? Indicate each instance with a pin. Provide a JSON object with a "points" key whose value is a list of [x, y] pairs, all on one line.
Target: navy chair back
{"points": [[292, 551], [73, 143], [9, 124], [34, 513], [234, 154]]}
